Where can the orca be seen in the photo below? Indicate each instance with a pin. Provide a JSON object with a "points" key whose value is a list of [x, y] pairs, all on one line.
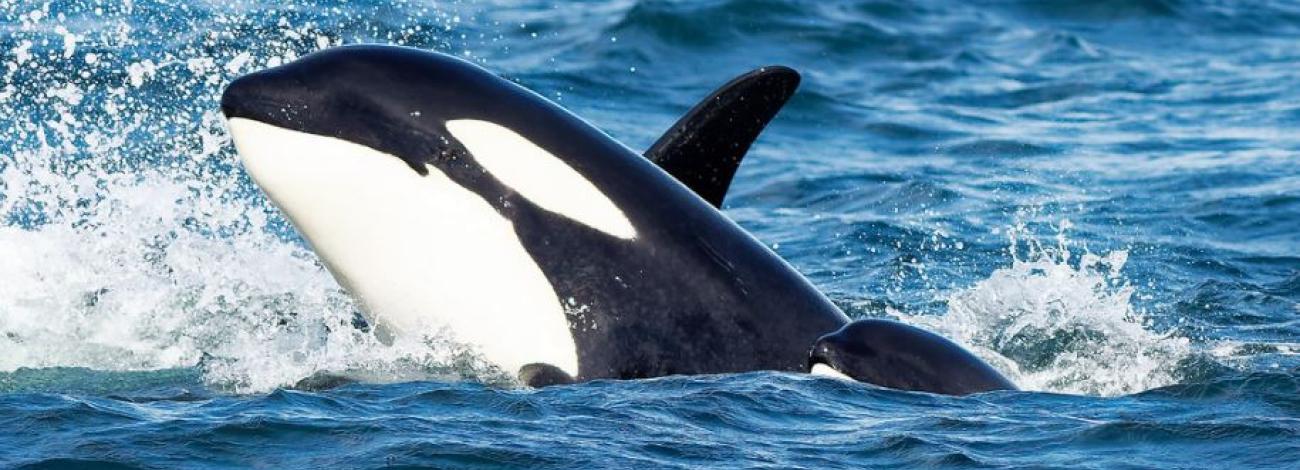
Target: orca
{"points": [[447, 199], [904, 357]]}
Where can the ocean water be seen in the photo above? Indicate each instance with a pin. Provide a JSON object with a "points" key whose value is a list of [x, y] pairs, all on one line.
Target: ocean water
{"points": [[1102, 199]]}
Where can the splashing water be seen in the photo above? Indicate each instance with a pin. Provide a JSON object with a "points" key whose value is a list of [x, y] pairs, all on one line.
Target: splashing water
{"points": [[129, 238], [120, 275], [1061, 321]]}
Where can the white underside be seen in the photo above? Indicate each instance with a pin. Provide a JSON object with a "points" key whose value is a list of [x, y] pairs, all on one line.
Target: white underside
{"points": [[420, 253], [824, 370]]}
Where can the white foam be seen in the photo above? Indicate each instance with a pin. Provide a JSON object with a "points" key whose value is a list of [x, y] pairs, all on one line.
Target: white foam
{"points": [[1060, 321], [123, 246], [128, 273]]}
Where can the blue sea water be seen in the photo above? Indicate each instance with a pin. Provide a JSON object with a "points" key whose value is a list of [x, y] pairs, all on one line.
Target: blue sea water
{"points": [[1102, 199]]}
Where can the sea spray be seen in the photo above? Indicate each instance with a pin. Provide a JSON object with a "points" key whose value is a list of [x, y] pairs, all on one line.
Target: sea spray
{"points": [[1060, 320], [129, 237], [147, 274]]}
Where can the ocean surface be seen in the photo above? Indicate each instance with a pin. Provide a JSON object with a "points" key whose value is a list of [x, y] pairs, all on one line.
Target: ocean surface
{"points": [[1100, 198]]}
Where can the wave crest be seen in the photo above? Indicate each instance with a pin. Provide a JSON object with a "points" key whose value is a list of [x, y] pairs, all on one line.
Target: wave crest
{"points": [[1061, 321]]}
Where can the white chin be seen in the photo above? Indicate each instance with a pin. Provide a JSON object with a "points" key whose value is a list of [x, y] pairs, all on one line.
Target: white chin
{"points": [[824, 370]]}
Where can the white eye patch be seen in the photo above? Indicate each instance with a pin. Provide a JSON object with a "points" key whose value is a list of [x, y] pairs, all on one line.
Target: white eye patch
{"points": [[824, 370], [540, 176]]}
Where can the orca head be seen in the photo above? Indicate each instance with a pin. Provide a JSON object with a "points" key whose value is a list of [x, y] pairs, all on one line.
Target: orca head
{"points": [[431, 112], [405, 169], [895, 355], [392, 99]]}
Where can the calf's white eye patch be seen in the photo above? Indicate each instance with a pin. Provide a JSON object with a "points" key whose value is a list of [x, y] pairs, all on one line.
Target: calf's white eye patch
{"points": [[540, 176], [824, 370]]}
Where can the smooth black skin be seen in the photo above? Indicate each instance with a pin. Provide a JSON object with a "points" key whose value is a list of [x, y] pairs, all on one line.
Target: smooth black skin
{"points": [[323, 381], [895, 355], [543, 375], [693, 293], [704, 148]]}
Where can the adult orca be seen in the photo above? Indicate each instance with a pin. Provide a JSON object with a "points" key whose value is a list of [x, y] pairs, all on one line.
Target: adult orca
{"points": [[443, 197]]}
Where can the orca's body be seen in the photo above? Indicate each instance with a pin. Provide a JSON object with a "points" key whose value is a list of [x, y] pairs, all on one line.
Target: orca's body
{"points": [[444, 197]]}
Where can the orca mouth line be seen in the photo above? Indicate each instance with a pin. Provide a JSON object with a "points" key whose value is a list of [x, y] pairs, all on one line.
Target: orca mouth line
{"points": [[429, 146], [256, 108]]}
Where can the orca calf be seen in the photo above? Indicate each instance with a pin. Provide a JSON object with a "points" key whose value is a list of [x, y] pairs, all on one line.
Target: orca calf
{"points": [[445, 198], [895, 355]]}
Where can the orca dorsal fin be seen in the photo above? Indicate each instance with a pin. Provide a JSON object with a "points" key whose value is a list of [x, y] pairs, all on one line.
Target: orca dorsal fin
{"points": [[704, 148]]}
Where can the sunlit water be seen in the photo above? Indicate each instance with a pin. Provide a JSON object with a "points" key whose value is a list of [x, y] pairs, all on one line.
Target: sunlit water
{"points": [[1103, 201]]}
